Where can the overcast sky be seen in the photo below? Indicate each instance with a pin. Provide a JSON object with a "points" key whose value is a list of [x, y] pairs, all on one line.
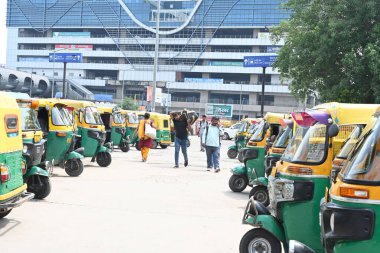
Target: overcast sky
{"points": [[3, 31]]}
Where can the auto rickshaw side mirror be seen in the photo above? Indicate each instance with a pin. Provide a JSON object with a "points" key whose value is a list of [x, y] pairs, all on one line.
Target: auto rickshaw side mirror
{"points": [[333, 130]]}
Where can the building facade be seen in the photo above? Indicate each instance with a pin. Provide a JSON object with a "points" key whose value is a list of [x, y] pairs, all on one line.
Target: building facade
{"points": [[201, 47]]}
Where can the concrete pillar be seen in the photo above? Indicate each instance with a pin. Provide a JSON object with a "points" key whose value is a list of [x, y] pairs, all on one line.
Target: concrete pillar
{"points": [[253, 79], [256, 33], [204, 96], [119, 92], [209, 33], [253, 98]]}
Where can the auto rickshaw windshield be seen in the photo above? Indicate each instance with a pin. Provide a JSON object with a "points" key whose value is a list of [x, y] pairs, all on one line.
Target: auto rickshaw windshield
{"points": [[308, 145], [259, 132], [118, 119], [60, 117], [133, 118], [350, 144], [29, 121], [92, 116], [243, 127], [283, 139], [364, 167]]}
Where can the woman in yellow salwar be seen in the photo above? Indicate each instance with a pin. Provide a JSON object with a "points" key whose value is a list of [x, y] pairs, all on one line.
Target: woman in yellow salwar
{"points": [[145, 142]]}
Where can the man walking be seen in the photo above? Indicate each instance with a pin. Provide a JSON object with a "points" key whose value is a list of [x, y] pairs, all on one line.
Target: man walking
{"points": [[201, 128], [181, 128], [211, 140]]}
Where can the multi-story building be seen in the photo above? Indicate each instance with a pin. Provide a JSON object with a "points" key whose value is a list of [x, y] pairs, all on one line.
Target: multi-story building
{"points": [[201, 47]]}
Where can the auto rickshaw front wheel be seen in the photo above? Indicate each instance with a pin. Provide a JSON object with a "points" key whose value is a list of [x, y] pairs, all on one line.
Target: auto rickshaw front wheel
{"points": [[232, 153], [74, 168], [39, 185], [238, 183], [259, 240], [103, 159], [260, 194], [124, 146], [163, 146], [4, 212]]}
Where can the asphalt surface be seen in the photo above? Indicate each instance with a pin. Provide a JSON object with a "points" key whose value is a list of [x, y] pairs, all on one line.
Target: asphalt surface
{"points": [[133, 207]]}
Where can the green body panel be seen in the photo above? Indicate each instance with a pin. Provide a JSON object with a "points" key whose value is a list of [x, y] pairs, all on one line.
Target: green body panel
{"points": [[163, 136], [270, 224], [74, 155], [57, 146], [24, 140], [13, 161], [240, 144], [274, 155], [368, 246], [258, 164], [129, 132], [263, 181], [301, 218], [102, 149], [233, 147], [35, 170], [116, 137], [239, 170], [90, 144]]}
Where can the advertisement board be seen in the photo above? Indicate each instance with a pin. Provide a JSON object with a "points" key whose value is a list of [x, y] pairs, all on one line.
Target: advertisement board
{"points": [[219, 110], [75, 47], [72, 34], [65, 57], [259, 61], [203, 80]]}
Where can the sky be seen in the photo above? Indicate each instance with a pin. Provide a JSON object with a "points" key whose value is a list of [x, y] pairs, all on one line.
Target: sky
{"points": [[3, 31]]}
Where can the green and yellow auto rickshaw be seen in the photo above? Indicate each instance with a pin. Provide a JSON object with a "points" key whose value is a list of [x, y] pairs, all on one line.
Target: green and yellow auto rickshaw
{"points": [[33, 150], [132, 119], [91, 131], [254, 156], [59, 131], [240, 139], [114, 123], [162, 124], [12, 166], [299, 180]]}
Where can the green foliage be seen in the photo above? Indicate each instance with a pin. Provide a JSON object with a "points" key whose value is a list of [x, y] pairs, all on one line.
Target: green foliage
{"points": [[332, 49], [129, 104]]}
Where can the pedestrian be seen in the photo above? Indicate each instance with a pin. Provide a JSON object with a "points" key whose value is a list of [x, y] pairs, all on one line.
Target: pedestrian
{"points": [[145, 142], [201, 128], [181, 128], [211, 139]]}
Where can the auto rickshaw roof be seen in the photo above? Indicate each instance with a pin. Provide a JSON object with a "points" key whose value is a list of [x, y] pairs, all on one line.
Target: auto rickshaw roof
{"points": [[252, 120], [77, 104], [274, 118], [7, 101]]}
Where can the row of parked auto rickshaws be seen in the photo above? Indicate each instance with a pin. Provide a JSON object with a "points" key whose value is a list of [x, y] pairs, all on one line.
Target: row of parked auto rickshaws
{"points": [[315, 178], [38, 134]]}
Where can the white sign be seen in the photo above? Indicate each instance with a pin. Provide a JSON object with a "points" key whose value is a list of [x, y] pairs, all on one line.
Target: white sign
{"points": [[158, 95], [166, 99]]}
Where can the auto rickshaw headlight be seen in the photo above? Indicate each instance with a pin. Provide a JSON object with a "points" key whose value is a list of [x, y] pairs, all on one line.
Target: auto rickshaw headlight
{"points": [[25, 149], [4, 172]]}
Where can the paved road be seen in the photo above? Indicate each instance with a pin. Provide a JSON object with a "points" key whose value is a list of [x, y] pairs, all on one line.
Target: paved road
{"points": [[133, 207]]}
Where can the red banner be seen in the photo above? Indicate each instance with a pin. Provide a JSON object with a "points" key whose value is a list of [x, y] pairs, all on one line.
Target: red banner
{"points": [[75, 47], [149, 93]]}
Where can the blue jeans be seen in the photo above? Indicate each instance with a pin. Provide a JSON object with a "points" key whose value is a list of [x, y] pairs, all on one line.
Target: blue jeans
{"points": [[180, 144], [212, 157]]}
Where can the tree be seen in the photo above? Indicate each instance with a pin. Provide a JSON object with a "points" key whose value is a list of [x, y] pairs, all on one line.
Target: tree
{"points": [[128, 104], [332, 49]]}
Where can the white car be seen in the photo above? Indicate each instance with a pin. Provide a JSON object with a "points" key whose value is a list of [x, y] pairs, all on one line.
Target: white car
{"points": [[230, 133]]}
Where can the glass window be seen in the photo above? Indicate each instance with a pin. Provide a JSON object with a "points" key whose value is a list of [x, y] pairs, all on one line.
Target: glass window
{"points": [[259, 132], [243, 127], [133, 118], [29, 119], [92, 116], [11, 121], [283, 138], [58, 117], [117, 118], [350, 144], [166, 123]]}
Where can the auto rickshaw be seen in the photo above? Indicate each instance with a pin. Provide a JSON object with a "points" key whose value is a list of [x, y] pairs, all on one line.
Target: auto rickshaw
{"points": [[60, 133], [254, 156], [114, 123], [13, 190], [132, 119], [33, 150], [91, 131], [240, 139], [162, 124], [298, 182]]}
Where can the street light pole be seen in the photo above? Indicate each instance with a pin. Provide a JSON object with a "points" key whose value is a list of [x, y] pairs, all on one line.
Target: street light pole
{"points": [[52, 86], [31, 83], [156, 54], [241, 90]]}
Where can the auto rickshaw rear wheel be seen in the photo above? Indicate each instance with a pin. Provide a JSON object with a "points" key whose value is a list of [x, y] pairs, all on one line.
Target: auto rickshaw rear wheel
{"points": [[232, 153], [103, 159], [240, 157], [39, 185], [260, 194], [259, 240], [238, 183], [124, 146], [74, 168], [4, 212], [154, 144], [163, 146]]}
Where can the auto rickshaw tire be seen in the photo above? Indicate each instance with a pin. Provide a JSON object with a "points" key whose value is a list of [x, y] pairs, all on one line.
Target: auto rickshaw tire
{"points": [[39, 185], [137, 146], [240, 157], [259, 238], [154, 144], [164, 146], [238, 183], [4, 212], [260, 194], [232, 153], [124, 146], [188, 143], [226, 136], [74, 171], [103, 159]]}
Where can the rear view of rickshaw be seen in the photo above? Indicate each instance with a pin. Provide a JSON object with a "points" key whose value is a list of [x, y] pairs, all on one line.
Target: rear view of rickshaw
{"points": [[162, 124], [91, 131], [59, 131], [114, 123], [240, 139], [12, 187], [299, 180]]}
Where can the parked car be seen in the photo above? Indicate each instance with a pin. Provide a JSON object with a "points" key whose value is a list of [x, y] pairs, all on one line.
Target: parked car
{"points": [[230, 133]]}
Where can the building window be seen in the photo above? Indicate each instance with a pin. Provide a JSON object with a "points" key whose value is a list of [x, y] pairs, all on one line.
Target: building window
{"points": [[186, 96], [268, 100], [55, 73], [268, 79], [220, 98]]}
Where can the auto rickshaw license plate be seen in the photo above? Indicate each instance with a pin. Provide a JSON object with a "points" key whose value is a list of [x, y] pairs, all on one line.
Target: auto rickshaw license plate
{"points": [[37, 138]]}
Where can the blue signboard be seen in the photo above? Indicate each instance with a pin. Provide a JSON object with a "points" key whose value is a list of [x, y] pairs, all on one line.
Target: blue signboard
{"points": [[259, 61], [103, 97], [65, 57]]}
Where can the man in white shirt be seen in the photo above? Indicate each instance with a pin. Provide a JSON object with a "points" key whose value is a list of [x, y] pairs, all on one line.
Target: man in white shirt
{"points": [[211, 139], [201, 128]]}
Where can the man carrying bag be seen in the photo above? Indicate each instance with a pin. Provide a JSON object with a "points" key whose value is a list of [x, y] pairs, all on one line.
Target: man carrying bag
{"points": [[211, 141]]}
